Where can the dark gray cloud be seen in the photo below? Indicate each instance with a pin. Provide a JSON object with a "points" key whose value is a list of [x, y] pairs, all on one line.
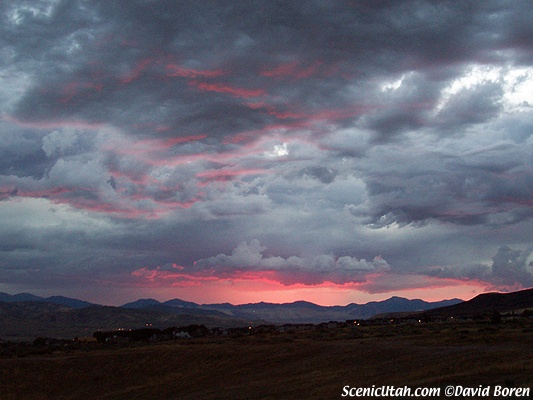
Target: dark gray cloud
{"points": [[22, 153], [510, 268], [471, 106], [146, 134], [125, 64]]}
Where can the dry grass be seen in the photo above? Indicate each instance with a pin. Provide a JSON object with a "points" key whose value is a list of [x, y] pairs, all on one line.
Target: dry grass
{"points": [[306, 365]]}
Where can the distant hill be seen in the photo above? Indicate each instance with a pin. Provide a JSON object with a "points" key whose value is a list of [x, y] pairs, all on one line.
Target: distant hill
{"points": [[397, 304], [150, 304], [66, 301], [175, 303], [60, 300], [486, 304], [25, 316], [180, 303], [12, 298], [296, 312], [141, 303], [30, 319]]}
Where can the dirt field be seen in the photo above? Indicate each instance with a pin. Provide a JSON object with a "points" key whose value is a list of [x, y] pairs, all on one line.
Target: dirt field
{"points": [[303, 365]]}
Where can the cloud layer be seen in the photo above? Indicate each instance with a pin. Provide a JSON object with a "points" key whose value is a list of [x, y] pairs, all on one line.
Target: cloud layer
{"points": [[265, 140]]}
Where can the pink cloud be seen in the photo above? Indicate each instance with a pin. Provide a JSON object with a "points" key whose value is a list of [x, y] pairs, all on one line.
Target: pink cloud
{"points": [[176, 70], [72, 89], [292, 70], [222, 175], [252, 135], [52, 193], [227, 89], [271, 110], [311, 121], [158, 277], [124, 206], [152, 145], [141, 179], [137, 71]]}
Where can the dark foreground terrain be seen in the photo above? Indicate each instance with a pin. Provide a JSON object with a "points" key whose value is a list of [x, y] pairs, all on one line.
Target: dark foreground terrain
{"points": [[310, 364]]}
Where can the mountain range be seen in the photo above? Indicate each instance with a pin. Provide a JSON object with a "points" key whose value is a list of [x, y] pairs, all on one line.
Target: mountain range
{"points": [[296, 312], [299, 312], [61, 300], [24, 315]]}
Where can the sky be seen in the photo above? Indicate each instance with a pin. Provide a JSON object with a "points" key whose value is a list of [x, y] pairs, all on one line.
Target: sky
{"points": [[244, 151]]}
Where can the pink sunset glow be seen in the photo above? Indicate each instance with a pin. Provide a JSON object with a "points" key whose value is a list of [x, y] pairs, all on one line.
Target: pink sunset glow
{"points": [[227, 89]]}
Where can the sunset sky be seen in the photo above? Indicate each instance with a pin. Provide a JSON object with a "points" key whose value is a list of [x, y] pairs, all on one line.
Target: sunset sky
{"points": [[245, 151]]}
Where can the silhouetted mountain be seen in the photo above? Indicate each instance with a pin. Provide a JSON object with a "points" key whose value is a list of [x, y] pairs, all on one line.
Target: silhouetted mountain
{"points": [[393, 305], [11, 298], [175, 306], [67, 301], [486, 304], [65, 313], [30, 319], [141, 303], [26, 316], [305, 312], [180, 303], [161, 307], [295, 312], [60, 300]]}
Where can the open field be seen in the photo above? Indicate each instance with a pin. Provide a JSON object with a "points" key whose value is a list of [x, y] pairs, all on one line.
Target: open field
{"points": [[300, 365]]}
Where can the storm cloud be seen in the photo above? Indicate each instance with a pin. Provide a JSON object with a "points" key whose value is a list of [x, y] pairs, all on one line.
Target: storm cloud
{"points": [[168, 142]]}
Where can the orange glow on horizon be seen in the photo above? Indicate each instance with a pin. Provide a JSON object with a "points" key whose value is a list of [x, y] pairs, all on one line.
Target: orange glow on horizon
{"points": [[244, 292], [254, 287]]}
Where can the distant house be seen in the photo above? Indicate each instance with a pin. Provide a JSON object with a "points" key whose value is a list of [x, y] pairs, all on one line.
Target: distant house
{"points": [[182, 335]]}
